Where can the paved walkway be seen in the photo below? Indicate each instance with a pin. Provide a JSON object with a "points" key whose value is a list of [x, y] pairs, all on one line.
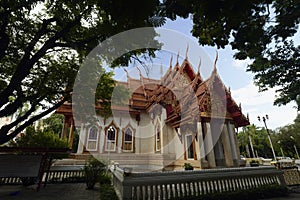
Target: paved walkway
{"points": [[51, 191]]}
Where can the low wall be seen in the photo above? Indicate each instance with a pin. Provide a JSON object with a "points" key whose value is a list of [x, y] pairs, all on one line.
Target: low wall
{"points": [[167, 185]]}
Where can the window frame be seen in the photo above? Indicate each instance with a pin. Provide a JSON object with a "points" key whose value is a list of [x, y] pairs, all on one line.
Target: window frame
{"points": [[112, 124], [92, 140], [132, 138]]}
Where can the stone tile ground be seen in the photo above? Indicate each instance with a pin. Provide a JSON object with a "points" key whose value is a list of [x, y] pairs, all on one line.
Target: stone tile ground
{"points": [[51, 191]]}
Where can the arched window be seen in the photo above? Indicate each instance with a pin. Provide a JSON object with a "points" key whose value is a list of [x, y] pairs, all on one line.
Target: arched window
{"points": [[128, 139], [157, 138], [111, 138], [92, 139]]}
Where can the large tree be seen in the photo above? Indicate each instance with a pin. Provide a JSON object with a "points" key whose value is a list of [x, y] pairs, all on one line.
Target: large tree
{"points": [[41, 49], [261, 30], [43, 43], [259, 139], [288, 139]]}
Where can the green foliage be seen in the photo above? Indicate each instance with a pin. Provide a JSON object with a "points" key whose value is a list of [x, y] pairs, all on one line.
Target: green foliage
{"points": [[53, 123], [43, 43], [107, 192], [283, 137], [188, 166], [105, 178], [259, 139], [93, 170], [41, 139], [286, 137]]}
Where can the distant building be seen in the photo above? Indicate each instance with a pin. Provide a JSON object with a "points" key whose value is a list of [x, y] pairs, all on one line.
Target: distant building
{"points": [[166, 123]]}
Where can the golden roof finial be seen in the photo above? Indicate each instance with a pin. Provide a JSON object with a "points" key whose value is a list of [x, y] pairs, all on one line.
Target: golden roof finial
{"points": [[128, 77], [215, 64], [177, 58], [126, 71], [199, 65], [171, 60], [186, 51], [139, 71]]}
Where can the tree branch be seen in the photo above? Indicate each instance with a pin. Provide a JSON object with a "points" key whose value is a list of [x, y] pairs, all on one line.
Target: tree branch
{"points": [[5, 136], [23, 68]]}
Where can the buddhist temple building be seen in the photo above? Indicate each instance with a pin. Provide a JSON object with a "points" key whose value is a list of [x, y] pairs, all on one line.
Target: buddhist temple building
{"points": [[165, 123]]}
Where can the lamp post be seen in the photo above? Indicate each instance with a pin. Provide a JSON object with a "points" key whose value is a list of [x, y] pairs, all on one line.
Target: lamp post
{"points": [[279, 142], [264, 118], [295, 146], [250, 140]]}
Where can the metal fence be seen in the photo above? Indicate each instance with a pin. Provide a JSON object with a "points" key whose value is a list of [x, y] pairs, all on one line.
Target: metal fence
{"points": [[57, 174]]}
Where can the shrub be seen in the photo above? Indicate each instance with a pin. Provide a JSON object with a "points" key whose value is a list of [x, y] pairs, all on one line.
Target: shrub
{"points": [[188, 166], [93, 169], [105, 179], [107, 192], [41, 139]]}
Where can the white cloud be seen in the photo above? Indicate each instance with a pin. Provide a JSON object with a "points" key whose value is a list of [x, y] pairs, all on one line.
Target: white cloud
{"points": [[241, 64], [261, 103]]}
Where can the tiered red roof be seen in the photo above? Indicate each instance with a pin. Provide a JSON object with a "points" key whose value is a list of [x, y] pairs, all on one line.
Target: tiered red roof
{"points": [[184, 94]]}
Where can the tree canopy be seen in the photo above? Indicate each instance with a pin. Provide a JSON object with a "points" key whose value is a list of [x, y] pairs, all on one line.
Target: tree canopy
{"points": [[284, 140], [43, 43]]}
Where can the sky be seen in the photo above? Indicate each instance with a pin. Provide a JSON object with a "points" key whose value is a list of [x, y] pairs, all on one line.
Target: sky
{"points": [[232, 72]]}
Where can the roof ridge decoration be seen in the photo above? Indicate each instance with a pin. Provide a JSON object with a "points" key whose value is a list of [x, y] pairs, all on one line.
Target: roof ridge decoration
{"points": [[215, 63], [186, 51], [171, 60], [142, 81], [128, 77], [199, 65], [177, 62]]}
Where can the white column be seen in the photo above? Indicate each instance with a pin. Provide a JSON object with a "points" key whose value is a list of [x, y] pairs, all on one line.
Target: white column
{"points": [[209, 147], [233, 145], [201, 154], [227, 147], [81, 139], [102, 139], [162, 149], [219, 154], [119, 143], [236, 141], [200, 149]]}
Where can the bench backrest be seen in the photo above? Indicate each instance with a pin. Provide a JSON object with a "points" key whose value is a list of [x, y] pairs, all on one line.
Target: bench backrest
{"points": [[19, 165]]}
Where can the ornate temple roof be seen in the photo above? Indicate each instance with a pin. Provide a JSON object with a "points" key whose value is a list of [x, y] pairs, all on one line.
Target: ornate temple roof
{"points": [[183, 93]]}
